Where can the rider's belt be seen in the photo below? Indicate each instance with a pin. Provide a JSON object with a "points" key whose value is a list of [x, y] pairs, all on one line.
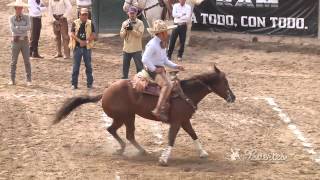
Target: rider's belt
{"points": [[181, 24], [19, 38]]}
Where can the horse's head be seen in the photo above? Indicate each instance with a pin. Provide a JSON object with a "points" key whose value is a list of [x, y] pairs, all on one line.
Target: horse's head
{"points": [[218, 84]]}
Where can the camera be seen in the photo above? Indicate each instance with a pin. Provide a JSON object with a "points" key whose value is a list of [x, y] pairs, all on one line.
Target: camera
{"points": [[129, 27]]}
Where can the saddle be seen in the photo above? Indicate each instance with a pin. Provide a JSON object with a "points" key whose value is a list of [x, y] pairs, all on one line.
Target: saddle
{"points": [[143, 83]]}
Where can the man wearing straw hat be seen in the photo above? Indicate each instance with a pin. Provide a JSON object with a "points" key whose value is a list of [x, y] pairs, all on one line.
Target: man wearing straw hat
{"points": [[19, 25], [155, 58]]}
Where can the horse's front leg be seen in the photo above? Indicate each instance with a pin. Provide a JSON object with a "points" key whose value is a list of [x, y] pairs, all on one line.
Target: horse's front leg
{"points": [[188, 128], [173, 131]]}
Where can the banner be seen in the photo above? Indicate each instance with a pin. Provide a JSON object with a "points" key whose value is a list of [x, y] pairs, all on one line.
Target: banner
{"points": [[281, 17]]}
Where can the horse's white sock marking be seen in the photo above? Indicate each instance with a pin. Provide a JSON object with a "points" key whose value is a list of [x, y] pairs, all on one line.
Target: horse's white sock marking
{"points": [[198, 146], [165, 155]]}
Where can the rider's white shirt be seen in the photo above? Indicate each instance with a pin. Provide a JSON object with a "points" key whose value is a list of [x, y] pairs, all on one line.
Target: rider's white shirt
{"points": [[154, 55]]}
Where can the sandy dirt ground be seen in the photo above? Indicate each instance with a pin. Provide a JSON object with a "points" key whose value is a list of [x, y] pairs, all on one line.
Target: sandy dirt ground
{"points": [[274, 80]]}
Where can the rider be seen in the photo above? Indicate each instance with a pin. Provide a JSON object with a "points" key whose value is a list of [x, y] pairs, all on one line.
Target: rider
{"points": [[154, 58]]}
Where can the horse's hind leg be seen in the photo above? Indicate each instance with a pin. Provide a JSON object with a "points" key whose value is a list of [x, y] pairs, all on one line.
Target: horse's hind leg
{"points": [[117, 123], [188, 128], [130, 128]]}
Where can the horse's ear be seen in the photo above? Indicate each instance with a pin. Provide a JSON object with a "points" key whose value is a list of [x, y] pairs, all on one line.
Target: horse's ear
{"points": [[216, 69]]}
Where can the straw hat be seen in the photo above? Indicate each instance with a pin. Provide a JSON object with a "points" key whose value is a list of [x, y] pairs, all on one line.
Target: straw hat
{"points": [[18, 3], [160, 26]]}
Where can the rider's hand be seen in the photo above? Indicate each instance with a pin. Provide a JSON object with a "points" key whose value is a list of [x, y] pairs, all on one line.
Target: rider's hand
{"points": [[180, 68]]}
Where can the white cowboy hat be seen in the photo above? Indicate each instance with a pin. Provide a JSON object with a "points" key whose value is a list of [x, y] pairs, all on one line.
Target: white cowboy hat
{"points": [[160, 26], [18, 3]]}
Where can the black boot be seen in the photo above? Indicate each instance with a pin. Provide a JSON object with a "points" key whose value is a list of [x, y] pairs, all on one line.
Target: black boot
{"points": [[37, 55]]}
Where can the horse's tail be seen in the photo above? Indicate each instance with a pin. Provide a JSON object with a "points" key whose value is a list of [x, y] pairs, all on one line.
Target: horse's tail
{"points": [[71, 103]]}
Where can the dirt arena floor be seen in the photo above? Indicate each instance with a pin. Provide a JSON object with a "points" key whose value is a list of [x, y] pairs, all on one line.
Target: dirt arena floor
{"points": [[270, 132]]}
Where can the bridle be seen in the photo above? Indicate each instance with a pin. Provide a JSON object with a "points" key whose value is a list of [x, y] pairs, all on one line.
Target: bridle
{"points": [[229, 97], [205, 85]]}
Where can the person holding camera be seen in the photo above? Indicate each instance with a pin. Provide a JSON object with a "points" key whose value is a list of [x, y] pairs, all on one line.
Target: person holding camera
{"points": [[131, 32]]}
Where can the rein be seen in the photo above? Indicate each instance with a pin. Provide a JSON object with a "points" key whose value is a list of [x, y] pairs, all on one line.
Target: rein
{"points": [[204, 84]]}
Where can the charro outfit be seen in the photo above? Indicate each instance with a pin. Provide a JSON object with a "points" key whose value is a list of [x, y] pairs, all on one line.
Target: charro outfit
{"points": [[20, 25], [59, 10], [155, 56]]}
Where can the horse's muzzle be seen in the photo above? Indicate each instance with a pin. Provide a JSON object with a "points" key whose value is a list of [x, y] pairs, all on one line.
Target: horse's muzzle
{"points": [[230, 97]]}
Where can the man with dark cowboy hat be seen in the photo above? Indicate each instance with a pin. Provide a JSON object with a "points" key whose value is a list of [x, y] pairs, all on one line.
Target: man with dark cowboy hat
{"points": [[155, 58], [19, 25]]}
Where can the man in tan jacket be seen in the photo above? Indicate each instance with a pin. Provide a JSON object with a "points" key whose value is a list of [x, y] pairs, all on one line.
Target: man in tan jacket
{"points": [[131, 32]]}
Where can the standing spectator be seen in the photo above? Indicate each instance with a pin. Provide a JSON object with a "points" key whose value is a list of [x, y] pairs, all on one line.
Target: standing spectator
{"points": [[59, 10], [82, 40], [84, 4], [132, 31], [36, 8], [181, 13], [19, 25]]}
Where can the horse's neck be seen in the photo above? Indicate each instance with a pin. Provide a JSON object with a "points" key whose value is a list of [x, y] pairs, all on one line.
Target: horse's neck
{"points": [[197, 91], [146, 3]]}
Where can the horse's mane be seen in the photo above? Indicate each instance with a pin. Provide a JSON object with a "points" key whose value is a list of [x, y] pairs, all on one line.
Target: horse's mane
{"points": [[207, 78]]}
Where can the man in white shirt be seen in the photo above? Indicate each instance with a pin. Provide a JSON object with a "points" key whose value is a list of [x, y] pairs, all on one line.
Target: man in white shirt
{"points": [[154, 58], [181, 13], [84, 4], [59, 10], [36, 8]]}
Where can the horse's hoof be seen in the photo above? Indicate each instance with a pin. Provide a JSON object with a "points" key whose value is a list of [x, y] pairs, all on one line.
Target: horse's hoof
{"points": [[204, 154], [119, 152], [163, 162]]}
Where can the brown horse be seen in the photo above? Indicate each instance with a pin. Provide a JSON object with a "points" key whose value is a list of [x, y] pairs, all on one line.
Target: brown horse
{"points": [[121, 102]]}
